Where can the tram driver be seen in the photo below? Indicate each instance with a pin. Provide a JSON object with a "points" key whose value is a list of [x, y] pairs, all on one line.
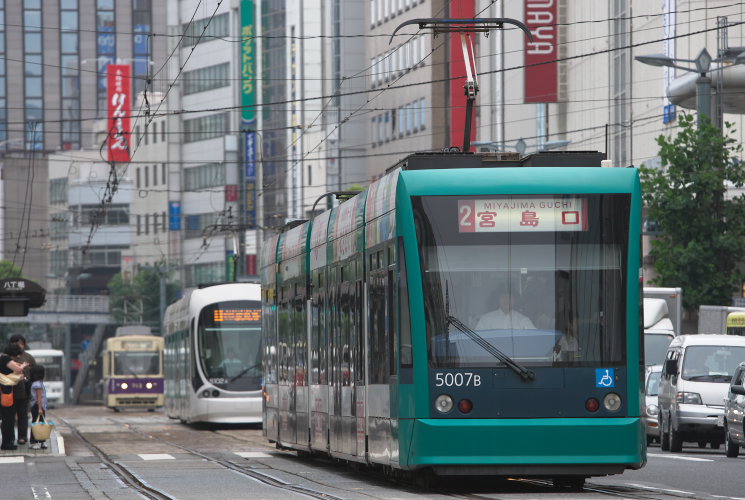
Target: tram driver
{"points": [[504, 317]]}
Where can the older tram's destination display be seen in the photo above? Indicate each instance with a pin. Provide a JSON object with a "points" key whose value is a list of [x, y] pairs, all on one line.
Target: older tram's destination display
{"points": [[502, 215]]}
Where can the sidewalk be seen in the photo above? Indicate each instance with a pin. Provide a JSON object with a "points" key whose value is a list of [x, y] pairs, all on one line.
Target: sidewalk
{"points": [[55, 447]]}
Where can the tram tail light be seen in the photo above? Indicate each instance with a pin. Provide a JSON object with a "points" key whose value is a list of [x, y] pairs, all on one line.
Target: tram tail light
{"points": [[592, 405], [465, 405]]}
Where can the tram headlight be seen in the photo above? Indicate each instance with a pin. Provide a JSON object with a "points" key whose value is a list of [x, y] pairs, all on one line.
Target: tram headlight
{"points": [[124, 385], [206, 393], [444, 403], [612, 401], [149, 385]]}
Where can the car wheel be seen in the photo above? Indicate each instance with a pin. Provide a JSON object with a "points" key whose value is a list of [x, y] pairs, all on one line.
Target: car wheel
{"points": [[676, 440], [715, 445], [664, 438], [731, 449], [649, 440], [702, 443]]}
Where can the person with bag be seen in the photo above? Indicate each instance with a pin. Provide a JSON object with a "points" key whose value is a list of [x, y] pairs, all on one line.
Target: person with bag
{"points": [[22, 391], [38, 404], [11, 372]]}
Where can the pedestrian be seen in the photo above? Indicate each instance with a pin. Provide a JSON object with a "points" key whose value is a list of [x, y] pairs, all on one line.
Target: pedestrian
{"points": [[22, 391], [11, 371], [38, 402]]}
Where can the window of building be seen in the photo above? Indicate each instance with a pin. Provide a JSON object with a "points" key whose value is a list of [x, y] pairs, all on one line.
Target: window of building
{"points": [[205, 127], [155, 175], [200, 31], [204, 273], [203, 79], [163, 131], [422, 113], [204, 176], [147, 176], [105, 49], [196, 223], [58, 264], [58, 190], [137, 177], [58, 226], [163, 173], [139, 222], [147, 223]]}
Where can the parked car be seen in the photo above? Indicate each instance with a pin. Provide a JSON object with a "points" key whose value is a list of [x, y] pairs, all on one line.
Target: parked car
{"points": [[651, 410], [734, 409], [695, 379]]}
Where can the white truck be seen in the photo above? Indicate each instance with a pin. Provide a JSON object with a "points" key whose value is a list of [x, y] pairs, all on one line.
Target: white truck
{"points": [[674, 299], [713, 319]]}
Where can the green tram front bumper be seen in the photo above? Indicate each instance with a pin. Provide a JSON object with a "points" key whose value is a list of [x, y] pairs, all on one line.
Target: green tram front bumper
{"points": [[546, 447]]}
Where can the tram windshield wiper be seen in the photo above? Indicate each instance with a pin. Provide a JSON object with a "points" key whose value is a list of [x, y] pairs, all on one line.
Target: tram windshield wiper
{"points": [[526, 374], [242, 373]]}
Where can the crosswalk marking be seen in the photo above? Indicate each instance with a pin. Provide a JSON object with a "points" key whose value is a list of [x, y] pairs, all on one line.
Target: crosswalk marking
{"points": [[680, 457], [156, 456], [11, 460], [252, 454]]}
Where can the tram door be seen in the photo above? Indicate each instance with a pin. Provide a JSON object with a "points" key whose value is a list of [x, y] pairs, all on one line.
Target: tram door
{"points": [[286, 358], [345, 341]]}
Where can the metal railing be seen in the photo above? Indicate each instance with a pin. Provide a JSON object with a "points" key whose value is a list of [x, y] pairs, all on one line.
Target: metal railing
{"points": [[75, 304]]}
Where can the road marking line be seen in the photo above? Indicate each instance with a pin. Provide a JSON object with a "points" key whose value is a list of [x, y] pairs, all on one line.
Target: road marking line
{"points": [[156, 456], [45, 493], [253, 454], [60, 444], [11, 460], [680, 457]]}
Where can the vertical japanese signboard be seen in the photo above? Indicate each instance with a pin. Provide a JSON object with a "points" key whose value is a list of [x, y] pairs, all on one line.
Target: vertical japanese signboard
{"points": [[248, 102], [250, 156], [119, 90], [541, 67], [248, 62]]}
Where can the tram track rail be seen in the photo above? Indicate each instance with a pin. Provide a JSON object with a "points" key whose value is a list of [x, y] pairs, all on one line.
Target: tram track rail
{"points": [[122, 472], [134, 481]]}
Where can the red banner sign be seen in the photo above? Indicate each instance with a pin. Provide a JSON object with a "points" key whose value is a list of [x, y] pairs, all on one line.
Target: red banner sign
{"points": [[119, 110], [541, 68]]}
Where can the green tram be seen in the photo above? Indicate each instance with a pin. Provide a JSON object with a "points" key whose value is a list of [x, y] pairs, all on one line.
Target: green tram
{"points": [[464, 315]]}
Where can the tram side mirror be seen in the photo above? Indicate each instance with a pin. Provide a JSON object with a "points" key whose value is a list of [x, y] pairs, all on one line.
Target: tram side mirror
{"points": [[671, 367], [738, 389]]}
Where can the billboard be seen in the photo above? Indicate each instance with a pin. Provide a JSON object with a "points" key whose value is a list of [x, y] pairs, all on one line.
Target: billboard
{"points": [[119, 94], [248, 61], [541, 66]]}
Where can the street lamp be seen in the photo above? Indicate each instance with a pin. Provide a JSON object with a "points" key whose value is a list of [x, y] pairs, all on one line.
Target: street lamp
{"points": [[702, 66]]}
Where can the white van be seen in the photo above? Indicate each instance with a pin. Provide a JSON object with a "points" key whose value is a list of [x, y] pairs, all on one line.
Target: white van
{"points": [[695, 379]]}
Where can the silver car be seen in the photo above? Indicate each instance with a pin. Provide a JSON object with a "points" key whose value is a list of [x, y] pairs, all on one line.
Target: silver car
{"points": [[651, 410], [734, 409]]}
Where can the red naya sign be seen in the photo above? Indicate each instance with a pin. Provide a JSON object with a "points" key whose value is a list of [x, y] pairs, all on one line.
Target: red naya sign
{"points": [[522, 215], [541, 68], [119, 93]]}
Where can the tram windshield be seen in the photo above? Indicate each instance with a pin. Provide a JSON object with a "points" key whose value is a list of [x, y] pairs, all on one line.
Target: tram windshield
{"points": [[229, 337], [540, 278], [136, 363]]}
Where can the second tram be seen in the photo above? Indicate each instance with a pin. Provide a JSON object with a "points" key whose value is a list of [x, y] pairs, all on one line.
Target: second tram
{"points": [[463, 316], [133, 371], [213, 355]]}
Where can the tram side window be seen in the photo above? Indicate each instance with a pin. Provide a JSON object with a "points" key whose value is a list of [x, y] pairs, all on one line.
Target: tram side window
{"points": [[404, 318], [346, 326], [391, 322]]}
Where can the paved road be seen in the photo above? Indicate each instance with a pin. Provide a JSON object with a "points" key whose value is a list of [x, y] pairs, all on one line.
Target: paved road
{"points": [[176, 461]]}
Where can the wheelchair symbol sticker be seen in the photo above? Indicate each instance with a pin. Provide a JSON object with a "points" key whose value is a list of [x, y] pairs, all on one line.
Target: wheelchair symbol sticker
{"points": [[605, 377]]}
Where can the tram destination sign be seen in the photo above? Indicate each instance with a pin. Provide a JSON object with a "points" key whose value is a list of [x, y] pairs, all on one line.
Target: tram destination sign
{"points": [[509, 215]]}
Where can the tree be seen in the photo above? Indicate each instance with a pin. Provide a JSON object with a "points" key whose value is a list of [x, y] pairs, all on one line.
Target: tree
{"points": [[9, 270], [138, 301], [702, 229]]}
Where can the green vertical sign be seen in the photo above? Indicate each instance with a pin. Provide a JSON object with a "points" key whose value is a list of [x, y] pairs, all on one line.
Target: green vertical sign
{"points": [[248, 61]]}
